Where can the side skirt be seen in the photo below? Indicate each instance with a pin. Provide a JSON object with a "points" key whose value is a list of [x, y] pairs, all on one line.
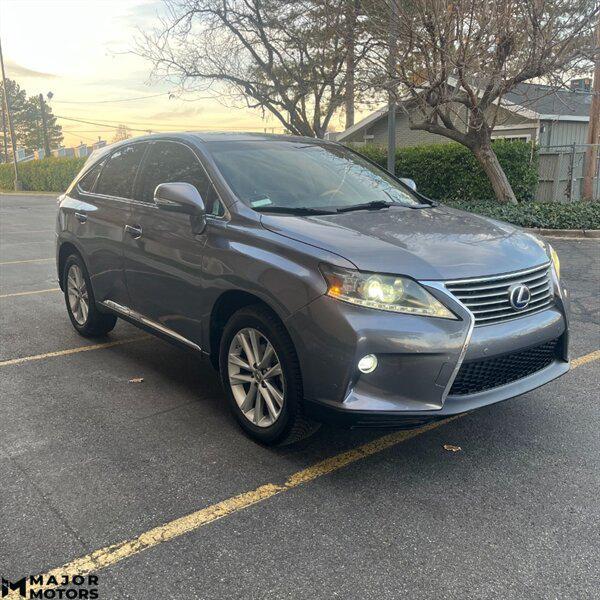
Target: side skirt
{"points": [[150, 325]]}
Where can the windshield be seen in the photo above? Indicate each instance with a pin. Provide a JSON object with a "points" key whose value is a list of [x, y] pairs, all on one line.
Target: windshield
{"points": [[288, 175]]}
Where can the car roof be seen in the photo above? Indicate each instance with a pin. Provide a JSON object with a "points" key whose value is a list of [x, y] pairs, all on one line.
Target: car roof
{"points": [[202, 137], [243, 136]]}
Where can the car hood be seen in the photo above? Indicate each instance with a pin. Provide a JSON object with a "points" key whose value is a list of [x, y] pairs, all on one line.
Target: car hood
{"points": [[425, 243]]}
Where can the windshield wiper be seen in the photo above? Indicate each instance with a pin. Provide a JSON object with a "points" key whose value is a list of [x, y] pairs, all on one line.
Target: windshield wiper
{"points": [[294, 210], [375, 205]]}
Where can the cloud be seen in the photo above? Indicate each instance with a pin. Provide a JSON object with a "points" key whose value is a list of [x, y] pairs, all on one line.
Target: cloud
{"points": [[174, 114], [13, 70]]}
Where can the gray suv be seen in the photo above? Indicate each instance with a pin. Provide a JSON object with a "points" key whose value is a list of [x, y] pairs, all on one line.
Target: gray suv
{"points": [[321, 287]]}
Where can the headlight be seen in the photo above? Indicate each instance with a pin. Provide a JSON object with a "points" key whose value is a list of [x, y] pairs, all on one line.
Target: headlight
{"points": [[383, 292], [555, 260]]}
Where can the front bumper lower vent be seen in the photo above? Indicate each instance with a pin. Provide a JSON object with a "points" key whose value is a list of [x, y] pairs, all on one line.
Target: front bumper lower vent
{"points": [[488, 298], [480, 375]]}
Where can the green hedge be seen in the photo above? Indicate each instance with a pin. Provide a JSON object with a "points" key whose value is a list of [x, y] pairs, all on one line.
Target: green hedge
{"points": [[451, 172], [48, 175], [546, 215]]}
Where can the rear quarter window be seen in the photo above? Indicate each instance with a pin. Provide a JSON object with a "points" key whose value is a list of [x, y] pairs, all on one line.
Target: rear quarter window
{"points": [[86, 183]]}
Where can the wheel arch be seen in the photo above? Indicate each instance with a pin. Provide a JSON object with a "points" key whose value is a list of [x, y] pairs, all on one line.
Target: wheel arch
{"points": [[65, 250], [225, 306]]}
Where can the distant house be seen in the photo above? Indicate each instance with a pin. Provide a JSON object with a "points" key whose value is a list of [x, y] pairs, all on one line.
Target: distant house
{"points": [[531, 112], [23, 156], [83, 150], [63, 152]]}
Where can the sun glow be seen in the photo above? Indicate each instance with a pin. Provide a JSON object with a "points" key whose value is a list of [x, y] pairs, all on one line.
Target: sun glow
{"points": [[82, 53]]}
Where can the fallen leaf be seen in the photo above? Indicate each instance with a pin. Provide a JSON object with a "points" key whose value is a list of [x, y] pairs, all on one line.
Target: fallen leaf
{"points": [[452, 448], [136, 380]]}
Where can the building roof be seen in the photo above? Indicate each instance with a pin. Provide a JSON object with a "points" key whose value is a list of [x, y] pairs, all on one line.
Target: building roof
{"points": [[530, 100], [546, 100]]}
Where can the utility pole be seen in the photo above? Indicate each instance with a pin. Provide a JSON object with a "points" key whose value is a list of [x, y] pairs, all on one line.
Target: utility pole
{"points": [[593, 137], [13, 141], [44, 127], [4, 133], [391, 157], [352, 8]]}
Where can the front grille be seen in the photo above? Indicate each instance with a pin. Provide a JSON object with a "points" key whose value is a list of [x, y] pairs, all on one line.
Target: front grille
{"points": [[488, 297], [479, 375]]}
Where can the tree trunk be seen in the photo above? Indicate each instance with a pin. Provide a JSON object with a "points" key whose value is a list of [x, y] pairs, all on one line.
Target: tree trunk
{"points": [[489, 162]]}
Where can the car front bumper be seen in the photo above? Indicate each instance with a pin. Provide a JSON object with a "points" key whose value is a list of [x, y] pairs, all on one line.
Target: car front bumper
{"points": [[418, 359]]}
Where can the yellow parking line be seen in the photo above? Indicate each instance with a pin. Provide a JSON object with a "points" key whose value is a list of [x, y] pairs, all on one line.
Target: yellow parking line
{"points": [[110, 555], [29, 293], [115, 553], [30, 260], [25, 359], [582, 360]]}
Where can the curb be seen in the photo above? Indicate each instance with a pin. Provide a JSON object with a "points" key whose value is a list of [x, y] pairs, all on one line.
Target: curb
{"points": [[567, 233]]}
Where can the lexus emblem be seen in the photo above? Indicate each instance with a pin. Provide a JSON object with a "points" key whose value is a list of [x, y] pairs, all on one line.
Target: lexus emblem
{"points": [[519, 296]]}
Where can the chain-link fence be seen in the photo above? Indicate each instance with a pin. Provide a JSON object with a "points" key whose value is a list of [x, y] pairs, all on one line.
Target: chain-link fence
{"points": [[561, 173]]}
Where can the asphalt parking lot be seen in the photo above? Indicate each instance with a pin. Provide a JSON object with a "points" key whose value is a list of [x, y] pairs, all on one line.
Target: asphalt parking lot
{"points": [[89, 459]]}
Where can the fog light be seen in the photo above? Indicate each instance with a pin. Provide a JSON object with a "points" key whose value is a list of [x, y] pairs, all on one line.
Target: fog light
{"points": [[367, 364]]}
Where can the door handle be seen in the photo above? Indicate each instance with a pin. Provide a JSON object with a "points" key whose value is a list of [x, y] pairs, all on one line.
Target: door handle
{"points": [[135, 231], [81, 217]]}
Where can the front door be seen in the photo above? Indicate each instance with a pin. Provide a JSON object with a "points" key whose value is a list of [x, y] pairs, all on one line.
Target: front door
{"points": [[163, 257]]}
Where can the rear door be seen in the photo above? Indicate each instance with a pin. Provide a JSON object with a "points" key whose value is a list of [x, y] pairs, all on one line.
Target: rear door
{"points": [[163, 257], [105, 194]]}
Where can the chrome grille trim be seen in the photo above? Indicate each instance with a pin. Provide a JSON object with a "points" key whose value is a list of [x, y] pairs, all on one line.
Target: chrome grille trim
{"points": [[487, 297]]}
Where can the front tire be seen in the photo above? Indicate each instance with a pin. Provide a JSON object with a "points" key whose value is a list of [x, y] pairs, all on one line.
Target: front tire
{"points": [[80, 301], [261, 376]]}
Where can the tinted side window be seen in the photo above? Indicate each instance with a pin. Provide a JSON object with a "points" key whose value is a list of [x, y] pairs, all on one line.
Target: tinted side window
{"points": [[86, 183], [119, 173], [168, 162]]}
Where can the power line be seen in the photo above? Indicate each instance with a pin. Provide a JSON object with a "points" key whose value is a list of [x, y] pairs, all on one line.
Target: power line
{"points": [[156, 126], [194, 99], [109, 101], [100, 124]]}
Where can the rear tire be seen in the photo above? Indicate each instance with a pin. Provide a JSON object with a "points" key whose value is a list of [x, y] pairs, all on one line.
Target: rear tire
{"points": [[265, 397], [80, 301]]}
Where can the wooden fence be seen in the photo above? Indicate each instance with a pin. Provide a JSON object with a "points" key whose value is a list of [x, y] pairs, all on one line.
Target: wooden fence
{"points": [[561, 173]]}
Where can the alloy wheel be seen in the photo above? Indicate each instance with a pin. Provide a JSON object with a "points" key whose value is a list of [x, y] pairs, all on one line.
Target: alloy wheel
{"points": [[256, 377], [77, 294]]}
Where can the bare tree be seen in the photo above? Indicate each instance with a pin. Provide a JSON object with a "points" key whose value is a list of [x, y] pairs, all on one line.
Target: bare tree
{"points": [[287, 57], [121, 133], [455, 61]]}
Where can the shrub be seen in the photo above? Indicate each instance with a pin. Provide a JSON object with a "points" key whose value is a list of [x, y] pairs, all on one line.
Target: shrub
{"points": [[51, 174], [451, 172], [545, 215]]}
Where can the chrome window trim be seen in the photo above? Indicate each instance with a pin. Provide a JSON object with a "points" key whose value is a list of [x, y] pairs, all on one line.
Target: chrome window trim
{"points": [[132, 201], [136, 316]]}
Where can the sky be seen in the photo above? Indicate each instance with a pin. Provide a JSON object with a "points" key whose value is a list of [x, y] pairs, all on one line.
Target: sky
{"points": [[80, 50]]}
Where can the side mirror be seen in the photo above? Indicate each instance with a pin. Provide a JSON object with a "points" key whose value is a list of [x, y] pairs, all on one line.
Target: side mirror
{"points": [[409, 182], [184, 198]]}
